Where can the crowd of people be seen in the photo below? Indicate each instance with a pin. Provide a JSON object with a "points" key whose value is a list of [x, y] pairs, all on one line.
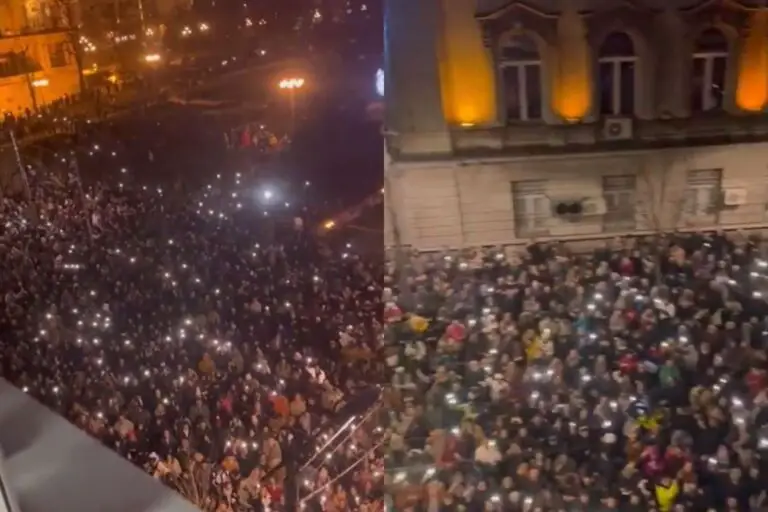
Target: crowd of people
{"points": [[632, 378], [208, 338]]}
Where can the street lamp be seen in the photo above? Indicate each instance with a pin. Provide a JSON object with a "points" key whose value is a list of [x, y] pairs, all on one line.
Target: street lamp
{"points": [[292, 85]]}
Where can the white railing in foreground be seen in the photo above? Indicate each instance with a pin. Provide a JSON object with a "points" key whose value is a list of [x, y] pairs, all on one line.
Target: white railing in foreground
{"points": [[8, 501]]}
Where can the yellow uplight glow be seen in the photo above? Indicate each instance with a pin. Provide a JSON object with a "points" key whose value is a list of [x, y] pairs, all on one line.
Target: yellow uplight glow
{"points": [[466, 69], [42, 82], [572, 91], [752, 87]]}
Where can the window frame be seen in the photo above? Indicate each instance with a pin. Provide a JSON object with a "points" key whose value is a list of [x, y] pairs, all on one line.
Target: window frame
{"points": [[521, 66], [620, 219], [59, 46], [615, 89], [529, 222], [696, 209], [708, 103]]}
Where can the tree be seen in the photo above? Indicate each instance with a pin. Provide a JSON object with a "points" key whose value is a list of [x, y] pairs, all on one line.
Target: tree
{"points": [[663, 205], [67, 18], [662, 189]]}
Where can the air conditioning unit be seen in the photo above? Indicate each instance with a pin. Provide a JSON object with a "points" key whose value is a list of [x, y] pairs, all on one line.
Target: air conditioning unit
{"points": [[735, 196], [568, 208], [574, 209], [617, 128]]}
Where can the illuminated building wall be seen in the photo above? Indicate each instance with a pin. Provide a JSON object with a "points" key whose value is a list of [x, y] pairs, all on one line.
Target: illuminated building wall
{"points": [[499, 110], [466, 67], [35, 67], [12, 17]]}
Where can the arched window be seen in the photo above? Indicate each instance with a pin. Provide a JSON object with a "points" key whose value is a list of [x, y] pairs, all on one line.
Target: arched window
{"points": [[616, 63], [520, 66], [710, 58]]}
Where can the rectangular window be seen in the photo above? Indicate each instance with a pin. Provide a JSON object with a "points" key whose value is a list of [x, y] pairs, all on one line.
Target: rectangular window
{"points": [[702, 197], [58, 55], [627, 89], [699, 84], [531, 208], [533, 91], [606, 88], [512, 92], [522, 91], [619, 193], [717, 89], [7, 65]]}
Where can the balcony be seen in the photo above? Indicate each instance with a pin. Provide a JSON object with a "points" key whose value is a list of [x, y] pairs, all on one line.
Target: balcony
{"points": [[542, 139]]}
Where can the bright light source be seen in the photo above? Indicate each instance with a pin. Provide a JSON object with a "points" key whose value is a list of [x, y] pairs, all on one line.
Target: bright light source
{"points": [[292, 83], [268, 194], [329, 225], [152, 57], [41, 82], [203, 27], [380, 82]]}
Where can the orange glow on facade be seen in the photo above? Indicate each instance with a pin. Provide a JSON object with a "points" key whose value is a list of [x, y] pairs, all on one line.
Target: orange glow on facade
{"points": [[572, 91], [466, 68], [752, 84]]}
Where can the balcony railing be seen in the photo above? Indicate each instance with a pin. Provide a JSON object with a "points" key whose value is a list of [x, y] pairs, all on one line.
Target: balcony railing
{"points": [[538, 138], [8, 502]]}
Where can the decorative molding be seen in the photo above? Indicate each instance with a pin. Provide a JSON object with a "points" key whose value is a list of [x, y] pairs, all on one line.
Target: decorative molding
{"points": [[630, 4]]}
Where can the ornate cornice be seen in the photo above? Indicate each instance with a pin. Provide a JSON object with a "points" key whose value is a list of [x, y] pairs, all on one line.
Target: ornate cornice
{"points": [[626, 4]]}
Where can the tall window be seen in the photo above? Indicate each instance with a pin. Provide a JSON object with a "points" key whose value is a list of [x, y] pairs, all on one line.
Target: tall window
{"points": [[710, 58], [531, 207], [702, 196], [520, 67], [616, 64], [58, 55], [620, 195]]}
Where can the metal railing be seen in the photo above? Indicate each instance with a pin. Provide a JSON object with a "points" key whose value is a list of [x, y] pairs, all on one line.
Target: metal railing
{"points": [[8, 502]]}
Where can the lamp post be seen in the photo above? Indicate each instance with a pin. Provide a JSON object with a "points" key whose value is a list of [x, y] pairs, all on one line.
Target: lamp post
{"points": [[292, 85]]}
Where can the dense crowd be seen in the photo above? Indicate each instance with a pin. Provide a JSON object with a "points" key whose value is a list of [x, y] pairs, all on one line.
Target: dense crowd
{"points": [[632, 378], [211, 340]]}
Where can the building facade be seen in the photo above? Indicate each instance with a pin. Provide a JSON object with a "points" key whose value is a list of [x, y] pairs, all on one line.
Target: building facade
{"points": [[509, 121], [37, 60]]}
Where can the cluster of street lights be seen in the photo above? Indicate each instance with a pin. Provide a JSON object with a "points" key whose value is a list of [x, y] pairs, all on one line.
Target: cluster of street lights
{"points": [[202, 27], [87, 45]]}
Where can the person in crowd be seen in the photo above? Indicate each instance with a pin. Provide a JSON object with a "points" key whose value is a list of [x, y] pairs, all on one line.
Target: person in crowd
{"points": [[235, 362], [631, 378]]}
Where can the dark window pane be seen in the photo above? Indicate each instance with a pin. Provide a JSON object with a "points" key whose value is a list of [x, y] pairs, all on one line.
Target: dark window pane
{"points": [[617, 44], [533, 91], [627, 89], [711, 40], [512, 91], [605, 82], [718, 80], [697, 85]]}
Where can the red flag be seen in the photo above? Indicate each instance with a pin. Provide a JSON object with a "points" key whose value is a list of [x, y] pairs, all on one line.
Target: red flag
{"points": [[245, 138]]}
